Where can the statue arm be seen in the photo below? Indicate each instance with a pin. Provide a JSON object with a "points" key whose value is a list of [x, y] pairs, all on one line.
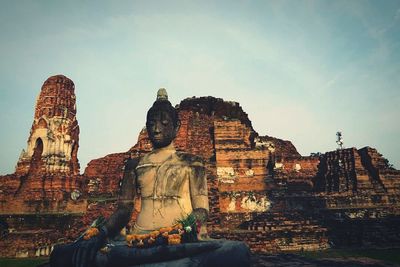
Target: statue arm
{"points": [[121, 217], [84, 252], [199, 197]]}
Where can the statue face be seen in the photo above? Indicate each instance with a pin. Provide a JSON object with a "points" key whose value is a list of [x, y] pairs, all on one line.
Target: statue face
{"points": [[160, 128]]}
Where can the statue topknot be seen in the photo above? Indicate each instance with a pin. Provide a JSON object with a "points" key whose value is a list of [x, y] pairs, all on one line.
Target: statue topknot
{"points": [[162, 94]]}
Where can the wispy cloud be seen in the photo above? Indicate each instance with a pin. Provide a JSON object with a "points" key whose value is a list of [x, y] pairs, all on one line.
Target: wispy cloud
{"points": [[297, 68]]}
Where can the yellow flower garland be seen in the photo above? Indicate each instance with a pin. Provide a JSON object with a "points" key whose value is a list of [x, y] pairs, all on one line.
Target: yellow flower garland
{"points": [[137, 240]]}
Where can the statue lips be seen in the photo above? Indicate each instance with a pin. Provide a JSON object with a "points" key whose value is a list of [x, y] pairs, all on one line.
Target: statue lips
{"points": [[159, 139], [159, 142]]}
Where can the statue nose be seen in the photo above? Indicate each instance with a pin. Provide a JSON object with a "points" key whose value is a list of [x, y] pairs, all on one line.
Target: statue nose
{"points": [[156, 128]]}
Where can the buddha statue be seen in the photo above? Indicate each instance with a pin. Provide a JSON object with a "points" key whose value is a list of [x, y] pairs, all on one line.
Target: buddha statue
{"points": [[173, 186]]}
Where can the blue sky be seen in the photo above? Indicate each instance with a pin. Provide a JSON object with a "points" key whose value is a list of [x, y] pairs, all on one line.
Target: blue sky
{"points": [[302, 70]]}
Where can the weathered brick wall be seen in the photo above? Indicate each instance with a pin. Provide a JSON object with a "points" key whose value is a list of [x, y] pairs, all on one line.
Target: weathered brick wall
{"points": [[381, 175], [33, 235], [20, 205], [352, 170], [48, 186], [283, 149], [276, 232], [261, 190], [295, 175], [32, 243], [8, 186], [241, 168], [103, 175]]}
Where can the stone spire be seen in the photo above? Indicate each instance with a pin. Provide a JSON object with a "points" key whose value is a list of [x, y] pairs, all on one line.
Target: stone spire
{"points": [[54, 137]]}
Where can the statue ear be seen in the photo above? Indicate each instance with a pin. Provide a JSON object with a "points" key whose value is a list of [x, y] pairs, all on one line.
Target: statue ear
{"points": [[178, 125]]}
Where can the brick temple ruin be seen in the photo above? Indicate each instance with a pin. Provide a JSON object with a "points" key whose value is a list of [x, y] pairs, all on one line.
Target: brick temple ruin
{"points": [[261, 190]]}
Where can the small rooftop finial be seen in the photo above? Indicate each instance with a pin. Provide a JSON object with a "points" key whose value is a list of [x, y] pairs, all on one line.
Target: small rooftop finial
{"points": [[162, 94], [339, 140]]}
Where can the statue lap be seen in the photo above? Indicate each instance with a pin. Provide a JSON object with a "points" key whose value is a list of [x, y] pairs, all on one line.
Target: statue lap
{"points": [[225, 253], [205, 253]]}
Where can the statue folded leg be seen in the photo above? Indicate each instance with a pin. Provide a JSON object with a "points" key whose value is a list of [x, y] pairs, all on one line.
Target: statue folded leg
{"points": [[61, 256], [207, 253]]}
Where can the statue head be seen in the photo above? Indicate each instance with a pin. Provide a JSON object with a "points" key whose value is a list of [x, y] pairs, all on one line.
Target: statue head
{"points": [[162, 121]]}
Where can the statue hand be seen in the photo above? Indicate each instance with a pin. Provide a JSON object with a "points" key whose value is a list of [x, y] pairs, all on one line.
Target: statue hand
{"points": [[202, 234], [204, 237], [85, 253]]}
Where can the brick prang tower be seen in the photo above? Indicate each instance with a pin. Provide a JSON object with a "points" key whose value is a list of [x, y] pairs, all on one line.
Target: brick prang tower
{"points": [[54, 137]]}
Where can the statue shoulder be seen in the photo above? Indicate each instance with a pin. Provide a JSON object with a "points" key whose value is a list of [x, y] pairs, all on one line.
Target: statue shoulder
{"points": [[191, 159], [131, 164]]}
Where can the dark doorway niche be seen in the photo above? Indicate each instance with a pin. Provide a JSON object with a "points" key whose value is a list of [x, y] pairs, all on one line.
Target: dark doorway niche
{"points": [[36, 161]]}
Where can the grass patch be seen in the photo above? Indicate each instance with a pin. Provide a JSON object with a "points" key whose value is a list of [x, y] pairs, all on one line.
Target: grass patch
{"points": [[28, 262], [391, 255]]}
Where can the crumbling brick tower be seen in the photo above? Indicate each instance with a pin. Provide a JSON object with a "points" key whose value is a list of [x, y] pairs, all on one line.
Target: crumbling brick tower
{"points": [[54, 138], [43, 195]]}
